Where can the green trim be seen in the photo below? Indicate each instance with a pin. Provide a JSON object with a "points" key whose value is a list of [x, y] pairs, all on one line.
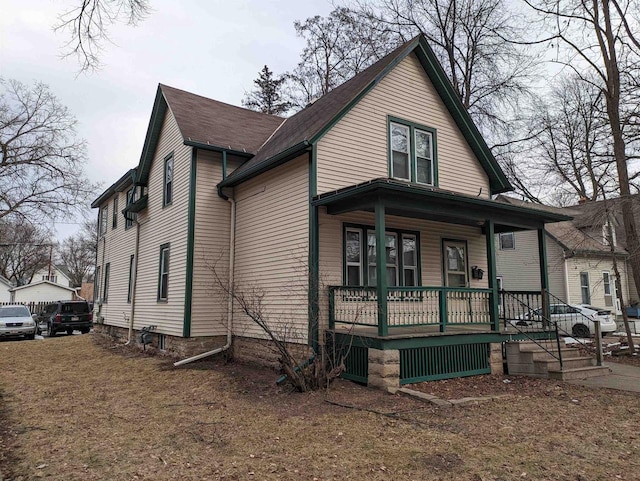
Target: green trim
{"points": [[265, 165], [162, 248], [542, 252], [215, 148], [413, 165], [105, 287], [167, 159], [191, 228], [158, 112], [381, 269], [224, 164], [314, 256], [363, 249], [130, 284], [443, 339], [118, 186], [491, 274]]}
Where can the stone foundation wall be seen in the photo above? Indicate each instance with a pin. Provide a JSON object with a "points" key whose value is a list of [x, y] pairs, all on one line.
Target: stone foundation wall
{"points": [[495, 359], [177, 347], [384, 369], [263, 352]]}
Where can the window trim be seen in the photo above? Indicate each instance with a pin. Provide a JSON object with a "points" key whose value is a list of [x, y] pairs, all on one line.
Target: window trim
{"points": [[502, 248], [97, 283], [105, 288], [445, 271], [103, 221], [399, 233], [607, 283], [163, 248], [114, 214], [167, 159], [588, 286], [413, 166]]}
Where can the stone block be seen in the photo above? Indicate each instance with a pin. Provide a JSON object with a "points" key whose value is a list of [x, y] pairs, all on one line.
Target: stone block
{"points": [[385, 384], [386, 356], [384, 370]]}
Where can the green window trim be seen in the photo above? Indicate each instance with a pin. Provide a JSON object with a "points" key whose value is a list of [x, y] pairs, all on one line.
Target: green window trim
{"points": [[167, 183], [128, 216], [129, 289], [413, 127], [114, 214], [364, 263], [105, 293], [163, 272]]}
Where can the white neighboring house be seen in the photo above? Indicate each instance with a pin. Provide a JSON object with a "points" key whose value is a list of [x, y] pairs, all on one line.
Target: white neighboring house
{"points": [[57, 274], [5, 286], [42, 291]]}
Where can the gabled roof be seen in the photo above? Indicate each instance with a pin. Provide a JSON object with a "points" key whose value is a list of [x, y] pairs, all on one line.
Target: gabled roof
{"points": [[568, 234], [5, 281], [118, 186], [206, 123], [310, 124], [33, 284]]}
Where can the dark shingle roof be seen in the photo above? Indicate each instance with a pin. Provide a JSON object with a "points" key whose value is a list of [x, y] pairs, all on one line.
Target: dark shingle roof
{"points": [[208, 121]]}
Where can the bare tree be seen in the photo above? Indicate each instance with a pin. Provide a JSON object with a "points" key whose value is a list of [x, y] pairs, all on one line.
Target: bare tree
{"points": [[24, 249], [599, 40], [41, 158], [267, 96], [88, 25], [78, 254]]}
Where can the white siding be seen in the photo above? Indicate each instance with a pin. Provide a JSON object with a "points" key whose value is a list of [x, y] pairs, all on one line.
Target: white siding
{"points": [[594, 267], [272, 238], [161, 225], [211, 247], [356, 148], [5, 295], [115, 248], [42, 293], [431, 236]]}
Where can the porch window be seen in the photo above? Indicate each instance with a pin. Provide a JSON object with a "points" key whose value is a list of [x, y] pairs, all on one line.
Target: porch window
{"points": [[455, 263], [584, 288], [360, 268], [412, 150], [507, 241]]}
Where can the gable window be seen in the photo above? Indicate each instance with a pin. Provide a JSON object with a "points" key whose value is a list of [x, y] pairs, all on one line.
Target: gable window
{"points": [[102, 221], [507, 241], [129, 216], [412, 152], [163, 277], [105, 295], [52, 278], [168, 181], [114, 215], [455, 263], [585, 292], [401, 265], [131, 272]]}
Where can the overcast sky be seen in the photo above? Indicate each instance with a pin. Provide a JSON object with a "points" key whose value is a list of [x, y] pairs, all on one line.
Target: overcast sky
{"points": [[212, 48]]}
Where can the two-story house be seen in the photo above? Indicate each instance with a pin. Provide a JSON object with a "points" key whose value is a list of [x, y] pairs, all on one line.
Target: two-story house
{"points": [[367, 219]]}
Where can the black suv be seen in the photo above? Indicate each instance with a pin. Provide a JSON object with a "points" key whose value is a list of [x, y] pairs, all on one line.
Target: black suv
{"points": [[67, 316]]}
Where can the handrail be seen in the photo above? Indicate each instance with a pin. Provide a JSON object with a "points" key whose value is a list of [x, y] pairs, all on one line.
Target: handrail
{"points": [[590, 349]]}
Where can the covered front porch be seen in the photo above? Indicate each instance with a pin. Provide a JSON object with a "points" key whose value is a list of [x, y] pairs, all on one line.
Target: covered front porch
{"points": [[437, 290]]}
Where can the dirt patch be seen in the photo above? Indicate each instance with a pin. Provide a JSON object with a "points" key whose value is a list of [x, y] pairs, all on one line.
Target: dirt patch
{"points": [[95, 412]]}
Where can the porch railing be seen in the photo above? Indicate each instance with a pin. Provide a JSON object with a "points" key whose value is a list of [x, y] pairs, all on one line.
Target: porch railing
{"points": [[411, 306]]}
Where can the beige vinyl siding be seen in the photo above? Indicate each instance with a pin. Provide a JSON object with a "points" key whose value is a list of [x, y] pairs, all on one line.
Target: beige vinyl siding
{"points": [[431, 236], [356, 148], [211, 247], [520, 267], [272, 237], [161, 225], [118, 245], [595, 267]]}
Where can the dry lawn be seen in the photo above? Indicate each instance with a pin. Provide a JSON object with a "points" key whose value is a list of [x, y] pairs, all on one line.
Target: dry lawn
{"points": [[72, 408]]}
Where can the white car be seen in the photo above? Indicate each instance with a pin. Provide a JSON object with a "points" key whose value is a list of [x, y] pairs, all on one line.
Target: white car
{"points": [[16, 321], [575, 319]]}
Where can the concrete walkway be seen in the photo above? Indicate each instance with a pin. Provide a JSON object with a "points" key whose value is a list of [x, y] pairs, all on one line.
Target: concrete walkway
{"points": [[623, 378]]}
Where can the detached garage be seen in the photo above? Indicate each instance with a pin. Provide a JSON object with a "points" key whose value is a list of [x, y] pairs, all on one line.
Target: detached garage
{"points": [[42, 291]]}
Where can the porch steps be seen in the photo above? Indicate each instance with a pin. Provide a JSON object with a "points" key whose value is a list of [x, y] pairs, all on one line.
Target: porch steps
{"points": [[526, 358]]}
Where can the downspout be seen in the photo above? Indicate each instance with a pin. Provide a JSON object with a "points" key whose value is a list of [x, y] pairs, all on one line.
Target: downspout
{"points": [[566, 281], [232, 253], [135, 281]]}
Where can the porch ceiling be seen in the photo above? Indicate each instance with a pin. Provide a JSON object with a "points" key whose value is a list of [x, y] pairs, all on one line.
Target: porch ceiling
{"points": [[407, 199]]}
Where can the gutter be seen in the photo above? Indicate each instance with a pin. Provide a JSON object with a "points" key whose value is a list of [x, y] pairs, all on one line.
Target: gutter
{"points": [[135, 281], [232, 253]]}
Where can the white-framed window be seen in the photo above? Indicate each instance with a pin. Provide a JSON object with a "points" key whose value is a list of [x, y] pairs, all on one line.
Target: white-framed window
{"points": [[585, 291], [412, 152], [102, 220], [455, 263], [606, 283], [605, 234], [360, 257], [96, 287], [167, 197], [52, 278], [507, 241], [163, 277]]}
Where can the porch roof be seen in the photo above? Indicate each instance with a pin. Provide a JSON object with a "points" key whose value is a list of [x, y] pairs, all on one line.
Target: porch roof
{"points": [[408, 199]]}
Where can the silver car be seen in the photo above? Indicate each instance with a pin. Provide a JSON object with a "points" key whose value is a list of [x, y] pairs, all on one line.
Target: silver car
{"points": [[16, 321], [575, 319]]}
